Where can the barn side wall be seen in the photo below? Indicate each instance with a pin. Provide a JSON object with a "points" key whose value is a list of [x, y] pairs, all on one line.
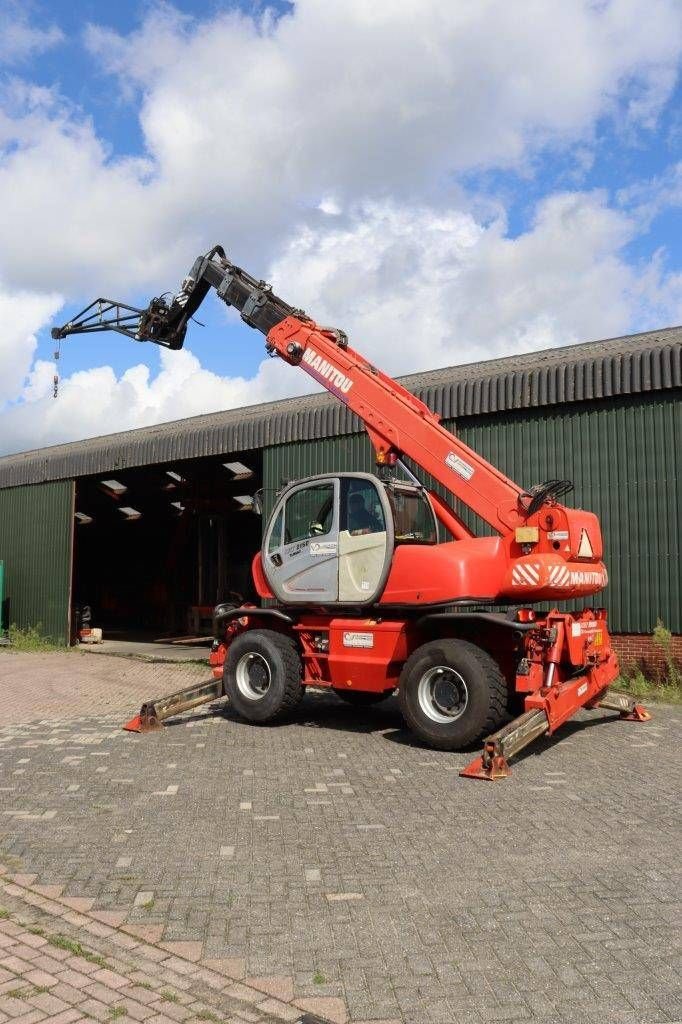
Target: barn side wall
{"points": [[36, 540]]}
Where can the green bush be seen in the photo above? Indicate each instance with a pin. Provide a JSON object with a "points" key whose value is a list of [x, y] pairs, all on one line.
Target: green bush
{"points": [[667, 686], [31, 639], [663, 640]]}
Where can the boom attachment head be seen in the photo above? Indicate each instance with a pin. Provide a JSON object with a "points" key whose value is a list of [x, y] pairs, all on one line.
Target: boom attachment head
{"points": [[102, 315], [165, 321], [155, 323]]}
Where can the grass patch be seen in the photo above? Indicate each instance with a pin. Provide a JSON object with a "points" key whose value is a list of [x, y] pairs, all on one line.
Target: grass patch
{"points": [[4, 913], [207, 1015], [17, 993], [169, 997], [63, 942], [149, 905], [145, 985], [667, 686], [32, 639], [117, 1011], [93, 958], [319, 978], [36, 931], [640, 686]]}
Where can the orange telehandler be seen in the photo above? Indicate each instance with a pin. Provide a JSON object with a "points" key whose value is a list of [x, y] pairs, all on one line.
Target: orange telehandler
{"points": [[361, 595]]}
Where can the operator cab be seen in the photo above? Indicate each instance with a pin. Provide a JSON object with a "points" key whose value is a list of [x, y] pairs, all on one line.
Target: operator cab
{"points": [[330, 539]]}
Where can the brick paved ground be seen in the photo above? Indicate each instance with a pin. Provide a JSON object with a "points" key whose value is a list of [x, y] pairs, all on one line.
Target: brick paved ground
{"points": [[332, 859], [63, 686], [53, 969]]}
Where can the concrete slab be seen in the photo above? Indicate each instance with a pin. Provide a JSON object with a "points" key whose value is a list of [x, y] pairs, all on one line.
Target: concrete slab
{"points": [[150, 651]]}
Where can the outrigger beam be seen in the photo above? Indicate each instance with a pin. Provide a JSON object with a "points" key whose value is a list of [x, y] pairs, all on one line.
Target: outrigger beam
{"points": [[511, 739], [154, 712]]}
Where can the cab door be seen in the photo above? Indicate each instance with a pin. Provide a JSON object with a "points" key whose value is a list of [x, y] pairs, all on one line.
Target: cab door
{"points": [[301, 545], [365, 539]]}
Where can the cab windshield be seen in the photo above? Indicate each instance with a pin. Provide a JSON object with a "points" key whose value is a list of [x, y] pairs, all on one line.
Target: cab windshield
{"points": [[413, 518]]}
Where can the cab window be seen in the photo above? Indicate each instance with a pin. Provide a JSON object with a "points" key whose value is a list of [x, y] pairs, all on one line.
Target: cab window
{"points": [[361, 508], [275, 539], [309, 513], [413, 518]]}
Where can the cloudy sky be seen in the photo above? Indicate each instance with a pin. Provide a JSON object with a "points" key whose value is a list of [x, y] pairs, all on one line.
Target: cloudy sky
{"points": [[447, 181]]}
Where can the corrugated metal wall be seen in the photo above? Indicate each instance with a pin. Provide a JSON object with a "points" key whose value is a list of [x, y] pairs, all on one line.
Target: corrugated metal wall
{"points": [[624, 457], [288, 462], [36, 530]]}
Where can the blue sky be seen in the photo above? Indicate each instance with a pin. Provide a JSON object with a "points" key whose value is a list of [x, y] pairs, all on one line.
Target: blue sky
{"points": [[445, 183]]}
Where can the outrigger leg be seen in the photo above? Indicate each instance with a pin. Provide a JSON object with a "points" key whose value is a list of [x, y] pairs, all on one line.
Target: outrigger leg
{"points": [[154, 712], [511, 739], [629, 709]]}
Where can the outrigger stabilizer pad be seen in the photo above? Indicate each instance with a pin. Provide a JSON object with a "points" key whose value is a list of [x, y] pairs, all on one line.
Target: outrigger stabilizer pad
{"points": [[154, 712], [630, 710], [493, 763]]}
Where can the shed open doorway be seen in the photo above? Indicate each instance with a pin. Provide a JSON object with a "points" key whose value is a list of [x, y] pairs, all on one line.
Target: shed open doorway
{"points": [[157, 547]]}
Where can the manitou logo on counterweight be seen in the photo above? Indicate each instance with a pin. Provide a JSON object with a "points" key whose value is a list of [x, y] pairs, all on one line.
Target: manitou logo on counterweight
{"points": [[324, 369]]}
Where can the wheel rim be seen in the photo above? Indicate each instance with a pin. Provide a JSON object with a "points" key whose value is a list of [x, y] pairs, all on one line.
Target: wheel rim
{"points": [[443, 694], [253, 676]]}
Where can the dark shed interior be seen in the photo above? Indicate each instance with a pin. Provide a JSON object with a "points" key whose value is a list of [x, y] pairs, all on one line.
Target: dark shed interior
{"points": [[157, 547]]}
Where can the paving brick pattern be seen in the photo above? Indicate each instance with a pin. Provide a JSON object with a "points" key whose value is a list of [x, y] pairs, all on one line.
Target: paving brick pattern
{"points": [[337, 862], [66, 685], [54, 971]]}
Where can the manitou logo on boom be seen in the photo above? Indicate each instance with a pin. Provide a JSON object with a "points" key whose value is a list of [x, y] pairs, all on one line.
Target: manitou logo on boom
{"points": [[590, 578], [528, 574], [326, 371]]}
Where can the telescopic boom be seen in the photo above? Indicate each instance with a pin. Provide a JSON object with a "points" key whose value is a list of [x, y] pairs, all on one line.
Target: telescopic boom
{"points": [[397, 423]]}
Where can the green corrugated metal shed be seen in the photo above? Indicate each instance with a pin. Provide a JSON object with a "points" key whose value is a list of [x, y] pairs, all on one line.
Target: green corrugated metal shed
{"points": [[36, 533], [606, 414], [623, 456]]}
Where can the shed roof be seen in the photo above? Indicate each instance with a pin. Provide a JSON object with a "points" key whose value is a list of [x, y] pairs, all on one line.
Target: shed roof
{"points": [[651, 361]]}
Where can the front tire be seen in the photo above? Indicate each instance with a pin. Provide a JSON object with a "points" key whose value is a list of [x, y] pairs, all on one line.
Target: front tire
{"points": [[262, 675], [452, 694]]}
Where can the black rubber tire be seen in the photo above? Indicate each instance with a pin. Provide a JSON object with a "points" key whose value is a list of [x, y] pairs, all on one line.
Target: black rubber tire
{"points": [[487, 694], [283, 660], [362, 698]]}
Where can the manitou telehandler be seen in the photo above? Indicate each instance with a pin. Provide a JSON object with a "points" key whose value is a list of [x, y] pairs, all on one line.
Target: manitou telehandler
{"points": [[361, 596]]}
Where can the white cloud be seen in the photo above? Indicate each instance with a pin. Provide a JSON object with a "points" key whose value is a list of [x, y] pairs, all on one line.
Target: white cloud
{"points": [[22, 314], [419, 288], [415, 288], [648, 199], [95, 401], [244, 135], [393, 90], [19, 39], [328, 145]]}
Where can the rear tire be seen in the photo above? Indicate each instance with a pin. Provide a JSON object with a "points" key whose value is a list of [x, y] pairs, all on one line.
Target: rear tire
{"points": [[262, 675], [452, 694], [362, 698]]}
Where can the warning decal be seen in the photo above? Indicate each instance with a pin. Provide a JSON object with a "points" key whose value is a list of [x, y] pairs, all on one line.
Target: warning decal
{"points": [[585, 548]]}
